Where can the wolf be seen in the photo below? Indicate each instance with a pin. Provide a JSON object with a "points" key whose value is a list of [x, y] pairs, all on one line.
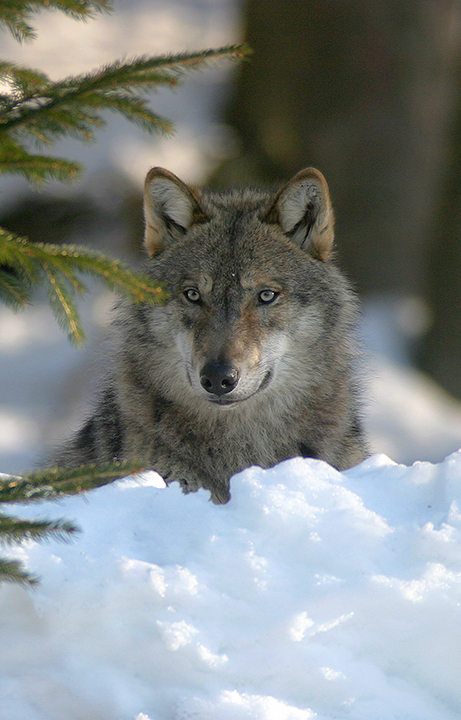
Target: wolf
{"points": [[252, 360]]}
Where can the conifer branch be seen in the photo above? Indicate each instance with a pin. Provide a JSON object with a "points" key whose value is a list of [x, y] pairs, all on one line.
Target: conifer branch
{"points": [[26, 265], [13, 571], [47, 110], [16, 531], [16, 16], [36, 168], [13, 291], [56, 482], [63, 306], [13, 530]]}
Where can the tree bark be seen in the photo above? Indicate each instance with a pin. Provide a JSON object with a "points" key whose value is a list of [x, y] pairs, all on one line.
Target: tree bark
{"points": [[441, 355], [363, 91]]}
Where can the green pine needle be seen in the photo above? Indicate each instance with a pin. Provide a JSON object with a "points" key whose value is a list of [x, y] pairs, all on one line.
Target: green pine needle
{"points": [[14, 291], [13, 571], [24, 78], [16, 531], [24, 264], [15, 16], [36, 168], [47, 110], [13, 530], [56, 482], [62, 305]]}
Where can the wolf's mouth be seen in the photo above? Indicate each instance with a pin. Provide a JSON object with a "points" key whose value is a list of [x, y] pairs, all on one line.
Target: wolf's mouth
{"points": [[227, 400]]}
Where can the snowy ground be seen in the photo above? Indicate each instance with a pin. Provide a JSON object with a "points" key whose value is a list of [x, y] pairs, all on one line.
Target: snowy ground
{"points": [[312, 594]]}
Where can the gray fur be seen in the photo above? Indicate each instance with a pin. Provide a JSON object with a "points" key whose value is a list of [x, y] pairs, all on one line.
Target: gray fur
{"points": [[285, 365]]}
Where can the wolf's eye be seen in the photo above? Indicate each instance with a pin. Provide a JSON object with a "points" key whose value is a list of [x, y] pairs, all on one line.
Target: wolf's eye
{"points": [[267, 296], [192, 295]]}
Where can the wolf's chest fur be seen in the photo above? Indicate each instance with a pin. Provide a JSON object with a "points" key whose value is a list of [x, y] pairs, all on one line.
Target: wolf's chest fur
{"points": [[252, 360]]}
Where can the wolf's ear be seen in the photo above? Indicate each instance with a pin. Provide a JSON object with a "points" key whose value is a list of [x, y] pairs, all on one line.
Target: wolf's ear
{"points": [[303, 210], [170, 208]]}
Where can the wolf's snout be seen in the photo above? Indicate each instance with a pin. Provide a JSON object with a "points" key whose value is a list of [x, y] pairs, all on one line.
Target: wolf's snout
{"points": [[219, 378]]}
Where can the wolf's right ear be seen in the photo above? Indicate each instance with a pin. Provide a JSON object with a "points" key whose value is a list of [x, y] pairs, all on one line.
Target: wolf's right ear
{"points": [[303, 210], [170, 208]]}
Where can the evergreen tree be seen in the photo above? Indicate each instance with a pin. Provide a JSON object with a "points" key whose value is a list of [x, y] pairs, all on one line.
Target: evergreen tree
{"points": [[36, 110]]}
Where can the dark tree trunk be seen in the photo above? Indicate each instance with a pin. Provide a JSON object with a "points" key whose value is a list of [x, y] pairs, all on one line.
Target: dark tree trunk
{"points": [[442, 350], [362, 90]]}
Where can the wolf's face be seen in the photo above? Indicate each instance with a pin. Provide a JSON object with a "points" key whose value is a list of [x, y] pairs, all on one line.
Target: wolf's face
{"points": [[252, 359], [245, 274]]}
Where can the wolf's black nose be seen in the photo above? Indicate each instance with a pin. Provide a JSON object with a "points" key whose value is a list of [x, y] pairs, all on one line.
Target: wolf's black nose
{"points": [[219, 378]]}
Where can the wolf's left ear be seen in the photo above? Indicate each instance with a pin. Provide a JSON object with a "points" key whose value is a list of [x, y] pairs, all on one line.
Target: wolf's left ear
{"points": [[170, 208], [303, 210]]}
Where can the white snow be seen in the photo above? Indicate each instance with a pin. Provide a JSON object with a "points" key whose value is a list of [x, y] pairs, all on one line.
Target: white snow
{"points": [[311, 594]]}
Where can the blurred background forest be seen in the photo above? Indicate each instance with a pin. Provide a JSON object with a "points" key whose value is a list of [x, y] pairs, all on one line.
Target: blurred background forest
{"points": [[368, 92]]}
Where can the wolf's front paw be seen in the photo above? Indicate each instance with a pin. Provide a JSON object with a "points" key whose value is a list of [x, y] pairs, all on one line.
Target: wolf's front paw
{"points": [[189, 485], [219, 491]]}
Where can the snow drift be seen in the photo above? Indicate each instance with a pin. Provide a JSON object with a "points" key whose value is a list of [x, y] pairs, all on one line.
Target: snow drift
{"points": [[312, 594]]}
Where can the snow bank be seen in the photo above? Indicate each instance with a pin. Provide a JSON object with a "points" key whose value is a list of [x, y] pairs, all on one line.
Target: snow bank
{"points": [[312, 594]]}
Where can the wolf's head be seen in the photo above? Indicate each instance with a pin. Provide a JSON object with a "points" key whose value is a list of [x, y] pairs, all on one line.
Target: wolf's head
{"points": [[253, 298]]}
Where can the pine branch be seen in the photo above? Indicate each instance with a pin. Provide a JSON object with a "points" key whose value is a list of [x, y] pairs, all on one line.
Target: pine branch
{"points": [[132, 107], [62, 305], [24, 78], [14, 291], [56, 101], [26, 265], [137, 286], [15, 16], [12, 571], [13, 530], [56, 482], [36, 168], [14, 254], [158, 69]]}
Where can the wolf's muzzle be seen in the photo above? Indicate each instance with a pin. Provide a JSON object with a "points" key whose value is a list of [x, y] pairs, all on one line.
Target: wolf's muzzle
{"points": [[219, 378]]}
